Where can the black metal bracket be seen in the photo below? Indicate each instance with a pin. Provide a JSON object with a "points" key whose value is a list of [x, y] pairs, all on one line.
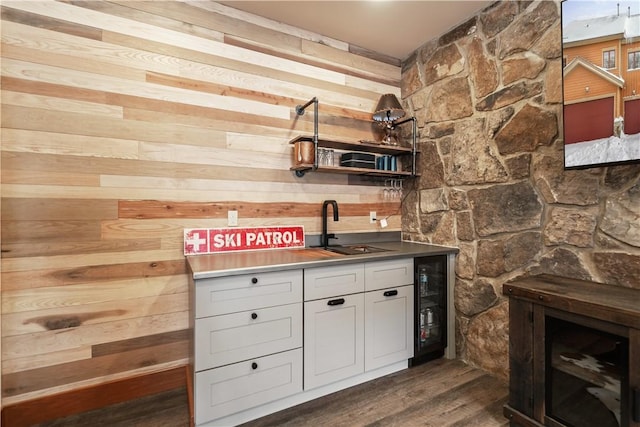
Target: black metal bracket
{"points": [[300, 109], [414, 133]]}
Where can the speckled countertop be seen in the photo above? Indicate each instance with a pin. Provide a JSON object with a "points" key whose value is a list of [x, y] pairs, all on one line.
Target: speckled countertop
{"points": [[232, 263]]}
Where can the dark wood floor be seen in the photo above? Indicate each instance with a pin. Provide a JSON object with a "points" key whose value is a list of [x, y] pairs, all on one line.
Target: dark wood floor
{"points": [[438, 394]]}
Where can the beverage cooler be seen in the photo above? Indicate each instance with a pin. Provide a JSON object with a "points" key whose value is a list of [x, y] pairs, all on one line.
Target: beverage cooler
{"points": [[430, 284]]}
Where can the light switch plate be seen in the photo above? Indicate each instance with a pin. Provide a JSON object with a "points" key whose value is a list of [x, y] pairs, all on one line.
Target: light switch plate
{"points": [[372, 217], [232, 218]]}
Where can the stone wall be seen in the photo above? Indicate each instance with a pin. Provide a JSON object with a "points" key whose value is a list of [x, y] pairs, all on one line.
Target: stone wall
{"points": [[488, 99]]}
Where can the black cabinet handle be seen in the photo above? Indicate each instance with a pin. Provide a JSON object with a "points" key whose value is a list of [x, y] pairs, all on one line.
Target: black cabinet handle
{"points": [[254, 280], [254, 316], [254, 366], [336, 301], [392, 293], [636, 405]]}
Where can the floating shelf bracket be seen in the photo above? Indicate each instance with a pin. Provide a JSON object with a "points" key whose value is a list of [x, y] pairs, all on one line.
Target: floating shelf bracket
{"points": [[414, 131], [300, 111]]}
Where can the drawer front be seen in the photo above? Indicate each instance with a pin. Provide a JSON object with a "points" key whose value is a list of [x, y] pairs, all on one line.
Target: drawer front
{"points": [[222, 295], [224, 391], [387, 274], [230, 338], [326, 282]]}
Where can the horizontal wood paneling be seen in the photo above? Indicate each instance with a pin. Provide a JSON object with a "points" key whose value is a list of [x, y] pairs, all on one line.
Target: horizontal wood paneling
{"points": [[53, 376], [93, 397], [35, 299], [85, 272], [58, 209], [23, 322], [147, 209], [124, 123]]}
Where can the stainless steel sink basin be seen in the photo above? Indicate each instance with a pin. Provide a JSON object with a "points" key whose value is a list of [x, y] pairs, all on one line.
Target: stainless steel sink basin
{"points": [[355, 249]]}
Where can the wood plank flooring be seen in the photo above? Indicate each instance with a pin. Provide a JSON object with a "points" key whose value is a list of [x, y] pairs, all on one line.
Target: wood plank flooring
{"points": [[436, 394]]}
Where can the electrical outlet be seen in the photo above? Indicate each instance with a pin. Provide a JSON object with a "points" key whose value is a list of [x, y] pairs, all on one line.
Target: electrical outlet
{"points": [[232, 218], [372, 217]]}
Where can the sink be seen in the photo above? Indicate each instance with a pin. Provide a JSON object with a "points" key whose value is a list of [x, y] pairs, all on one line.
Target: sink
{"points": [[354, 249]]}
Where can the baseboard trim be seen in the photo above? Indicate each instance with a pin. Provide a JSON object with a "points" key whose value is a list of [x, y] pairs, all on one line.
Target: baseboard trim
{"points": [[89, 398]]}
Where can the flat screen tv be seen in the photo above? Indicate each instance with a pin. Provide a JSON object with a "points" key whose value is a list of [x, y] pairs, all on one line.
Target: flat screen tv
{"points": [[601, 82]]}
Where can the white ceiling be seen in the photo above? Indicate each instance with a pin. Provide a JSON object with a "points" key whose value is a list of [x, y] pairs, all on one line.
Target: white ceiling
{"points": [[393, 27]]}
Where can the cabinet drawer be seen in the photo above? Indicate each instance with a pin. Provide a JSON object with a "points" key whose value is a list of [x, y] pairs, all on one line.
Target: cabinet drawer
{"points": [[325, 282], [386, 274], [230, 338], [222, 295], [224, 391]]}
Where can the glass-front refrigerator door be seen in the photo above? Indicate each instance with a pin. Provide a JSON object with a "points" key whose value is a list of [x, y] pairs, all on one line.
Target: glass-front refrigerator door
{"points": [[430, 307]]}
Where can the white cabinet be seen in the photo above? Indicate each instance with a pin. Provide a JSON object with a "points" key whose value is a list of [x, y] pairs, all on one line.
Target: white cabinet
{"points": [[324, 282], [388, 326], [222, 295], [229, 338], [388, 312], [230, 389], [247, 342], [259, 338], [333, 339], [386, 274], [348, 331]]}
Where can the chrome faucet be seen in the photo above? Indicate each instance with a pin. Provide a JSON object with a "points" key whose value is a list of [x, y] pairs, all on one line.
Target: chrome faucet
{"points": [[324, 238]]}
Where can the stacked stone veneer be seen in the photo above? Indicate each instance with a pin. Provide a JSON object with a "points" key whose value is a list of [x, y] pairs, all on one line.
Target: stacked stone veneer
{"points": [[488, 100]]}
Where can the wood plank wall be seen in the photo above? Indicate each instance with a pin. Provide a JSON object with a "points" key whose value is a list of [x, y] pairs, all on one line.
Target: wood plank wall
{"points": [[124, 122]]}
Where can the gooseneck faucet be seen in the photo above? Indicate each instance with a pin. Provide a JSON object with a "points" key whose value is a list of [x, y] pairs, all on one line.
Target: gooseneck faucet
{"points": [[324, 239]]}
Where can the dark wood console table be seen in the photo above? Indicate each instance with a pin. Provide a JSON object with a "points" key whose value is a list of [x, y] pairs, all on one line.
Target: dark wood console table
{"points": [[549, 318]]}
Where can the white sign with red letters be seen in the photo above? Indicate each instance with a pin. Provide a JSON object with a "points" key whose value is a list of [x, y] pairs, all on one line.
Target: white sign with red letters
{"points": [[199, 241]]}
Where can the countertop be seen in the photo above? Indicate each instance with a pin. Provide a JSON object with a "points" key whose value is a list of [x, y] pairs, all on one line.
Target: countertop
{"points": [[233, 263]]}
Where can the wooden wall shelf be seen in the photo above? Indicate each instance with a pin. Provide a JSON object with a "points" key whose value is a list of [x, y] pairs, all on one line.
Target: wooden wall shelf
{"points": [[369, 147], [406, 154], [353, 171]]}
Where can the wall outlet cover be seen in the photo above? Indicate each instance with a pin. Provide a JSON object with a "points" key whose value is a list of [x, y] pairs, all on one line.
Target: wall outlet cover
{"points": [[232, 218]]}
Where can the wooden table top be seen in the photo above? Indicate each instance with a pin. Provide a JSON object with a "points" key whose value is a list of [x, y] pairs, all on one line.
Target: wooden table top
{"points": [[616, 304]]}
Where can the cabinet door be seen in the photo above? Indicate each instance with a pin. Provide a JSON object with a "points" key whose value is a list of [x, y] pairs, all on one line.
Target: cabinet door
{"points": [[521, 355], [325, 282], [385, 274], [333, 339], [222, 295], [233, 388], [230, 338], [388, 326]]}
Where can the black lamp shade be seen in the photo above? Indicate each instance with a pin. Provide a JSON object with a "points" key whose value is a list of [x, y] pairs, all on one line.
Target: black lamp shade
{"points": [[388, 109]]}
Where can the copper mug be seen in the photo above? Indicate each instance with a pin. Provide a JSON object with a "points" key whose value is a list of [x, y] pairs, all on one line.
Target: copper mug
{"points": [[303, 153]]}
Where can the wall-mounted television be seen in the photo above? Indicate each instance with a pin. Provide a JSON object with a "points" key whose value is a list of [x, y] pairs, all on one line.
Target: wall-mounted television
{"points": [[601, 82]]}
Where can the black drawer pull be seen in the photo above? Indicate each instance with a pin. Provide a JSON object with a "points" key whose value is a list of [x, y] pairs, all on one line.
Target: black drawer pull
{"points": [[254, 316], [254, 280], [336, 301], [392, 293], [254, 365]]}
